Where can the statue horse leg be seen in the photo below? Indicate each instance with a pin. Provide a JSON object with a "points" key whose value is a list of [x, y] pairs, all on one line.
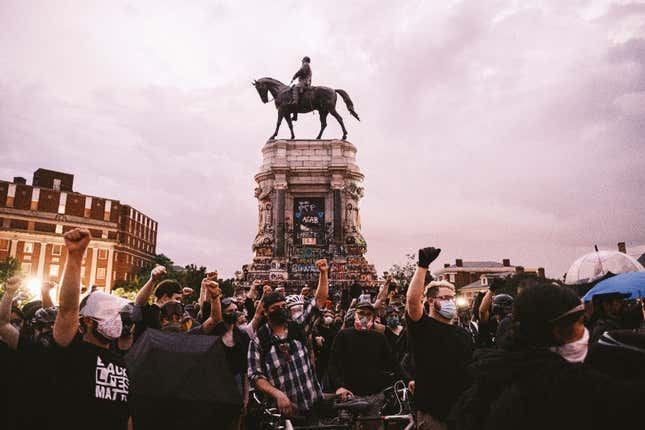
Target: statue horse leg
{"points": [[290, 124], [277, 126], [340, 121], [323, 122]]}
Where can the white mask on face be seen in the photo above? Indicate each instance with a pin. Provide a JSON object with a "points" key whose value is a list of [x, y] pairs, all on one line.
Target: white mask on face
{"points": [[110, 328], [576, 351], [328, 320]]}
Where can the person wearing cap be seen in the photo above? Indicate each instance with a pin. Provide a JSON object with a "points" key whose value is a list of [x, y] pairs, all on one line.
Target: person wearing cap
{"points": [[440, 350], [541, 382], [90, 381], [361, 362], [279, 358]]}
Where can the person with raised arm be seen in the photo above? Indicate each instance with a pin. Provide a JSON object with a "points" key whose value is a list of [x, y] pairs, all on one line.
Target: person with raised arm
{"points": [[440, 350], [279, 358], [90, 381]]}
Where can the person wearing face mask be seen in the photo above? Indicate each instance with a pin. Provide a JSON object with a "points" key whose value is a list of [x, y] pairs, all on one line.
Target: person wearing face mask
{"points": [[395, 333], [324, 334], [361, 362], [236, 345], [279, 357], [540, 380], [90, 381], [439, 349]]}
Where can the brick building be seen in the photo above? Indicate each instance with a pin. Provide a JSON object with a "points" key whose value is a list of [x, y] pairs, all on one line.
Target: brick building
{"points": [[463, 273], [34, 217]]}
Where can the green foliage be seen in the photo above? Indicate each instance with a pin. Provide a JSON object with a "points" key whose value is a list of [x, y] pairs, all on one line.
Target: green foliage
{"points": [[9, 268], [403, 273], [130, 295]]}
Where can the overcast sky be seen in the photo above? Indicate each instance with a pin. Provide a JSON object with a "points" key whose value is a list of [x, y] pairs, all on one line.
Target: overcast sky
{"points": [[493, 129]]}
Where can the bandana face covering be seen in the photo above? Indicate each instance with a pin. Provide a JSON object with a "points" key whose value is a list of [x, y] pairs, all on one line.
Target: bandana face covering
{"points": [[576, 351], [110, 328]]}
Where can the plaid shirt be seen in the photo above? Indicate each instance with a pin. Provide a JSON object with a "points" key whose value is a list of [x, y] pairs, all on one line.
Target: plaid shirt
{"points": [[289, 371]]}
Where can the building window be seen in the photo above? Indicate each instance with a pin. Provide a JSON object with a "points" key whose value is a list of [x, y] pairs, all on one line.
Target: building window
{"points": [[484, 281], [62, 202], [53, 270], [59, 228], [4, 245], [56, 249], [57, 184], [100, 273], [452, 277], [82, 272], [25, 268], [103, 254], [28, 248]]}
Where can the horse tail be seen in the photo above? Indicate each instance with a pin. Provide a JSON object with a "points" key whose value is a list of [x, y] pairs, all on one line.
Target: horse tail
{"points": [[348, 102]]}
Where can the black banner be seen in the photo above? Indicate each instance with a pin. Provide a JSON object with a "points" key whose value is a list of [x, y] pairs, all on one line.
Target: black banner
{"points": [[309, 221]]}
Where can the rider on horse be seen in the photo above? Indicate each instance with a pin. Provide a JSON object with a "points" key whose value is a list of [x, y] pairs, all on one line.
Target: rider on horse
{"points": [[304, 81]]}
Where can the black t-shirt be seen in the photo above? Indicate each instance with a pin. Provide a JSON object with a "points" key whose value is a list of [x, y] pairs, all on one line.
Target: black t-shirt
{"points": [[91, 388], [440, 353], [362, 362], [237, 354]]}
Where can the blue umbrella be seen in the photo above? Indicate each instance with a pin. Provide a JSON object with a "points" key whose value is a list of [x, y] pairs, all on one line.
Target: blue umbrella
{"points": [[632, 283]]}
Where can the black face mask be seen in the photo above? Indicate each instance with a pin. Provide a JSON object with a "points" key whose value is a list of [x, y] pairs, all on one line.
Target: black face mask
{"points": [[230, 318], [279, 316]]}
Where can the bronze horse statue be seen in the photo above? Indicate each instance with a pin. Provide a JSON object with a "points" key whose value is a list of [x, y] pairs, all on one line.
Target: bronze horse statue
{"points": [[322, 99]]}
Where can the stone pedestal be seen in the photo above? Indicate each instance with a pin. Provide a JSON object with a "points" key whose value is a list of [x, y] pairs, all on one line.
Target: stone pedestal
{"points": [[308, 202]]}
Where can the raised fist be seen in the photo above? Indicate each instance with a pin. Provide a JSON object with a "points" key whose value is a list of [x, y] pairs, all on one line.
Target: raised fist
{"points": [[157, 273], [213, 289], [76, 241], [13, 284], [321, 265], [427, 256], [212, 276], [187, 291]]}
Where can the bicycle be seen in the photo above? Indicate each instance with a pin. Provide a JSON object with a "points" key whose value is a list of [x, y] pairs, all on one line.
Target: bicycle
{"points": [[396, 409]]}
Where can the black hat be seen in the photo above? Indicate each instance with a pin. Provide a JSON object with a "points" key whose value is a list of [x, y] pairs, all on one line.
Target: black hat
{"points": [[271, 298], [172, 308], [306, 60]]}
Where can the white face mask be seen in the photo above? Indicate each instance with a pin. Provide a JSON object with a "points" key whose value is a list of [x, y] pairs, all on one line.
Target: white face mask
{"points": [[448, 309], [328, 320], [110, 328], [576, 351]]}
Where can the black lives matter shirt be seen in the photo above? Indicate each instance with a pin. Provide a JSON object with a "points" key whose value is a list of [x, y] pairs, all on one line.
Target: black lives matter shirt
{"points": [[440, 353], [92, 388]]}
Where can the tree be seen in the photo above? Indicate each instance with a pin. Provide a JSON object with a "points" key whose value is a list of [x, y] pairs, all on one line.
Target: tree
{"points": [[8, 268], [403, 273]]}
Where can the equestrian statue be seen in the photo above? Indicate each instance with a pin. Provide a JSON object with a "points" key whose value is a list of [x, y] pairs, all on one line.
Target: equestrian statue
{"points": [[303, 98]]}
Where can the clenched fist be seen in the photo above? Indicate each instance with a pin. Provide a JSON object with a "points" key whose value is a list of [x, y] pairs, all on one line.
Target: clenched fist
{"points": [[212, 288], [427, 256], [12, 285], [47, 286], [76, 241], [321, 265], [157, 273]]}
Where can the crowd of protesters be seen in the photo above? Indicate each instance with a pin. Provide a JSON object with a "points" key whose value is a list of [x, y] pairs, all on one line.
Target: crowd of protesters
{"points": [[535, 359]]}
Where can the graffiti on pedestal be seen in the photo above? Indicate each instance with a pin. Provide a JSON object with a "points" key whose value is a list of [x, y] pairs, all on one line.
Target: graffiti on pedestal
{"points": [[309, 221]]}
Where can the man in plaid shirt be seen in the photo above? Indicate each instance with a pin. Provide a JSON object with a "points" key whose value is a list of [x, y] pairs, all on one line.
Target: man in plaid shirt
{"points": [[279, 358]]}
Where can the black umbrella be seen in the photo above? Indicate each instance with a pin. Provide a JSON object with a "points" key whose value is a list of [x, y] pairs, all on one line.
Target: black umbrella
{"points": [[180, 379]]}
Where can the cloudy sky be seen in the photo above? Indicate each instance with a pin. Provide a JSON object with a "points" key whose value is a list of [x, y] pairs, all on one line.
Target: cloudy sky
{"points": [[492, 129]]}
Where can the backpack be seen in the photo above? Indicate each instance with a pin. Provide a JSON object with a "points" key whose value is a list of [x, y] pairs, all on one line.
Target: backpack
{"points": [[267, 340]]}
